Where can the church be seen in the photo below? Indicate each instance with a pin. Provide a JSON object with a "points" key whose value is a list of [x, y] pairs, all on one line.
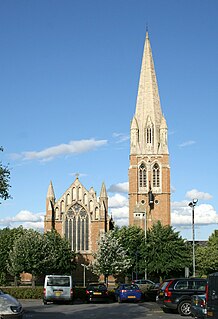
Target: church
{"points": [[82, 217]]}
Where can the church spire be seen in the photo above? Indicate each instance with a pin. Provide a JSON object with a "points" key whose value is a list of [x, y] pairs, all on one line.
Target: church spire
{"points": [[148, 113], [50, 193]]}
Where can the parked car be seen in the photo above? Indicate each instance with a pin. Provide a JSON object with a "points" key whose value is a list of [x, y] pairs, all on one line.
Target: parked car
{"points": [[175, 294], [140, 282], [96, 292], [58, 288], [130, 292], [148, 288], [198, 306], [10, 307], [212, 296]]}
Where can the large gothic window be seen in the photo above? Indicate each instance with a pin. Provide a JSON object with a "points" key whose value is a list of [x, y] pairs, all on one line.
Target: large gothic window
{"points": [[156, 175], [77, 228], [142, 175]]}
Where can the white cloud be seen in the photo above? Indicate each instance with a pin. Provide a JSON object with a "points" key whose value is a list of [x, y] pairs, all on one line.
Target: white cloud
{"points": [[120, 137], [119, 208], [187, 143], [25, 218], [121, 215], [117, 201], [204, 214], [194, 193], [119, 188], [73, 147]]}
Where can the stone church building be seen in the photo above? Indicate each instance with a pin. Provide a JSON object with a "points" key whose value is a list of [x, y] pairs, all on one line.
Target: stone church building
{"points": [[79, 216], [82, 217]]}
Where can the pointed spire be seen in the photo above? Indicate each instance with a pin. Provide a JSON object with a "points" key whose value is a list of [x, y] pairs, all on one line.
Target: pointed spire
{"points": [[148, 105], [148, 101], [103, 190], [50, 193]]}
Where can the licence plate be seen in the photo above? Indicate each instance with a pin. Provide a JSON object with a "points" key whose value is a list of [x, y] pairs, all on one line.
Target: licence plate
{"points": [[97, 293], [58, 293], [131, 296], [161, 293], [210, 313]]}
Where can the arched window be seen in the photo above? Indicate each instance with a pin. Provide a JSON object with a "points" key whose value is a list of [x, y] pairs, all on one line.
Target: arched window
{"points": [[68, 199], [74, 193], [156, 175], [62, 206], [142, 175], [77, 228]]}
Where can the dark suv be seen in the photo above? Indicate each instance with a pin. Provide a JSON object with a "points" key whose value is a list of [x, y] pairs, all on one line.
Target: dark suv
{"points": [[175, 294]]}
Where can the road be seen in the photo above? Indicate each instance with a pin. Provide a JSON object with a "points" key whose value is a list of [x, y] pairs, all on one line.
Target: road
{"points": [[34, 309]]}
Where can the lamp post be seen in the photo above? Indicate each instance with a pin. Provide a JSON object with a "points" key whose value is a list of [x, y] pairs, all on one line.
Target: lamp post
{"points": [[84, 274], [145, 215], [192, 205]]}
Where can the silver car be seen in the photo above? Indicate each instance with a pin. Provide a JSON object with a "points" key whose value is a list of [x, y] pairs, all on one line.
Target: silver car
{"points": [[10, 307]]}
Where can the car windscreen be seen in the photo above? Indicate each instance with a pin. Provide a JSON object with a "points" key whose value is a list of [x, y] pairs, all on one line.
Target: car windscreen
{"points": [[97, 287], [130, 287], [58, 281], [164, 285]]}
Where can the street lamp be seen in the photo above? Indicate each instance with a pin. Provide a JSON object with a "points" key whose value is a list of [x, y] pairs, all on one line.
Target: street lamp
{"points": [[192, 205], [84, 274], [145, 215]]}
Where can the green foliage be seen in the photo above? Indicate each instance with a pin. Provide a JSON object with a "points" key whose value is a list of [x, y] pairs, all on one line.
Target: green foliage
{"points": [[167, 253], [4, 181], [207, 256], [29, 251], [26, 254], [7, 239], [111, 258], [2, 279], [132, 239], [24, 292], [58, 257]]}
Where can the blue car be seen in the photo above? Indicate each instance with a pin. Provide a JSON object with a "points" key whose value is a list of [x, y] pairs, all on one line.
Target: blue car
{"points": [[128, 292]]}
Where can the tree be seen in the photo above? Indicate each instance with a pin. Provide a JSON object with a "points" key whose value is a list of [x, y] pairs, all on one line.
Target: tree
{"points": [[58, 256], [27, 255], [207, 256], [38, 254], [167, 253], [7, 238], [111, 258], [132, 239], [4, 180]]}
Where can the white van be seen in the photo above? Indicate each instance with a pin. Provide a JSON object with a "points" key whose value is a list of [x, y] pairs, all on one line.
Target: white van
{"points": [[58, 288]]}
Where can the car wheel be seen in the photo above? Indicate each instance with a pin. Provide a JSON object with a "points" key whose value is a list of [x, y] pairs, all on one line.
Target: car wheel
{"points": [[119, 299], [184, 308]]}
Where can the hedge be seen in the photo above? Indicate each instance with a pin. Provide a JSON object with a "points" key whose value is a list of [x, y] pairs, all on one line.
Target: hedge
{"points": [[37, 292]]}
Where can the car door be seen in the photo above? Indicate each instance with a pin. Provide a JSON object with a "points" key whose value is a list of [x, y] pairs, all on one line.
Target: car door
{"points": [[212, 296]]}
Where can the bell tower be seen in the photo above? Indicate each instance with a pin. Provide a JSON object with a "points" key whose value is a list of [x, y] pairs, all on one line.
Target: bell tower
{"points": [[149, 170]]}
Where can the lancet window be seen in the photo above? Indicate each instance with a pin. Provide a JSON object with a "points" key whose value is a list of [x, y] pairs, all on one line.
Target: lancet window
{"points": [[156, 175], [142, 175]]}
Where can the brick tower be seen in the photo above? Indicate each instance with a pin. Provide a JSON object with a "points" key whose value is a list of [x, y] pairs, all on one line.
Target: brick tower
{"points": [[149, 170]]}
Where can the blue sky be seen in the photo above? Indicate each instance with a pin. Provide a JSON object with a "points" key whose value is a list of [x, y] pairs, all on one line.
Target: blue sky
{"points": [[69, 74]]}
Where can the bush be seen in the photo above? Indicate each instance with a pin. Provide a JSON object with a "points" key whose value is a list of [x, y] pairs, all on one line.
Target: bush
{"points": [[24, 292], [37, 292]]}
